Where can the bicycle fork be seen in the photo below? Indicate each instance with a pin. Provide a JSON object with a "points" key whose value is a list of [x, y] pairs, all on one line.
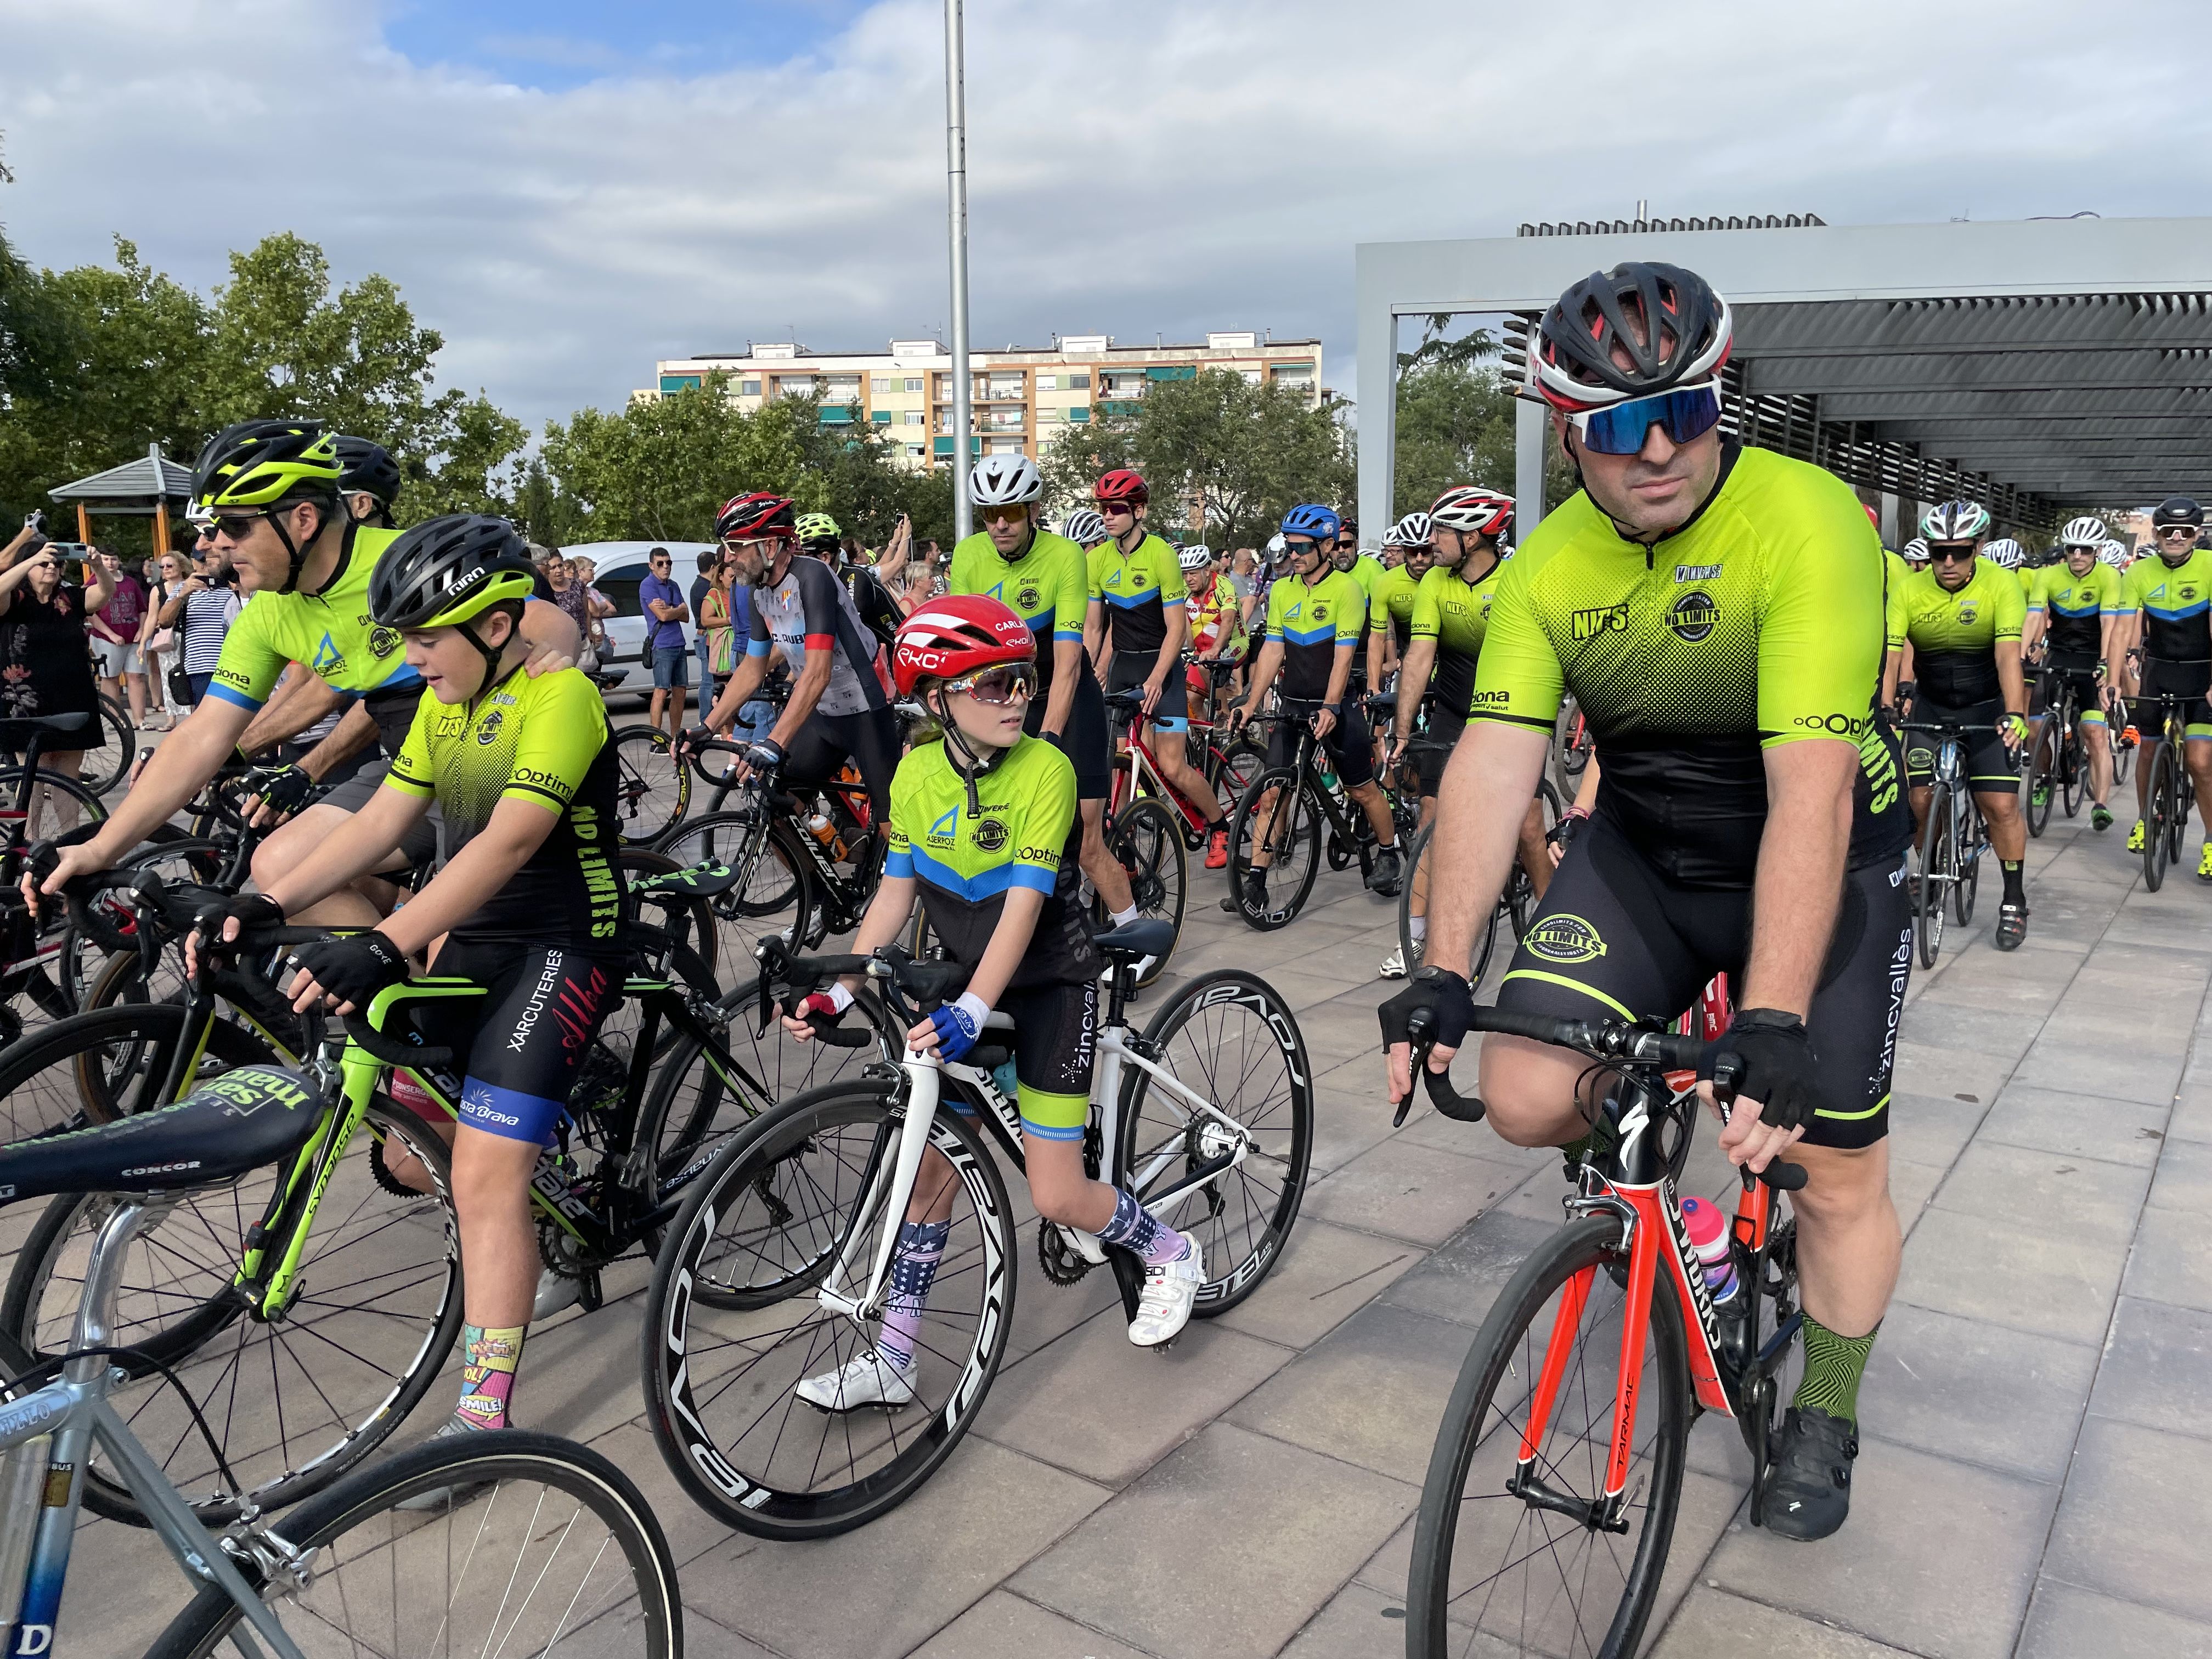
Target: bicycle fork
{"points": [[889, 1201]]}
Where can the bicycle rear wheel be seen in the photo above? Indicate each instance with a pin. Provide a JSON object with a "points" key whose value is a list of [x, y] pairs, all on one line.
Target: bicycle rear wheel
{"points": [[540, 1546], [652, 788], [1418, 872], [103, 768], [2043, 768], [1146, 841], [1229, 1037], [760, 1232], [1488, 1563], [773, 893], [2073, 761], [1970, 845], [1294, 826], [2157, 852], [1934, 874]]}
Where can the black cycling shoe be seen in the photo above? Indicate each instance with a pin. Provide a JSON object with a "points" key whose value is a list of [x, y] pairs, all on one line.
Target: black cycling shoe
{"points": [[2012, 926], [1383, 876], [1808, 1495], [1254, 895]]}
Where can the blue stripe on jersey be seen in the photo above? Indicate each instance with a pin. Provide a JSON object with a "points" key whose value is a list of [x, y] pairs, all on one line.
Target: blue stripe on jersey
{"points": [[2182, 614], [985, 884], [1310, 636], [899, 863], [239, 698]]}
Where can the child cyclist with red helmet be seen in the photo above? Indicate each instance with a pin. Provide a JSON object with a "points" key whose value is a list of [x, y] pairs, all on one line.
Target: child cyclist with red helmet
{"points": [[984, 831]]}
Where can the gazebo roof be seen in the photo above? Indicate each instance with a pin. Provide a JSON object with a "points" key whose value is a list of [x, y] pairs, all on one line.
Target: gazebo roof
{"points": [[131, 487]]}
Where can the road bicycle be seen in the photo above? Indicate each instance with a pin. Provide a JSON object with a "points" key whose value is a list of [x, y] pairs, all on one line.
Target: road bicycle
{"points": [[1553, 1487], [778, 1266], [27, 949], [507, 1542], [1952, 836], [318, 1299], [2167, 800], [1571, 744], [1292, 805], [1517, 900], [2059, 760]]}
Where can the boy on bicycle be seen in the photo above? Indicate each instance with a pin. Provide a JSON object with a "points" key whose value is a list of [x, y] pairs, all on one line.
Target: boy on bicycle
{"points": [[984, 831], [528, 905]]}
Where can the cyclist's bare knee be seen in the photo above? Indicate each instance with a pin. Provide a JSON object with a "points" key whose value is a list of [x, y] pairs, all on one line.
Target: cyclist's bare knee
{"points": [[1529, 1088], [288, 843], [1843, 1184]]}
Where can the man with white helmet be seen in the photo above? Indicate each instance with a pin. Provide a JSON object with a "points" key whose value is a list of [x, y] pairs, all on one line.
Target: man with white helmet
{"points": [[2168, 600], [1390, 606], [1084, 528], [2077, 612], [1041, 577], [1136, 637]]}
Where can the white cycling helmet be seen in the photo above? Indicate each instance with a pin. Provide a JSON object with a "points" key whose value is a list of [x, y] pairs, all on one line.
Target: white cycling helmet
{"points": [[1914, 552], [1196, 557], [1954, 521], [2115, 554], [1414, 530], [1006, 481], [2084, 531], [1277, 547], [1083, 527], [2004, 552]]}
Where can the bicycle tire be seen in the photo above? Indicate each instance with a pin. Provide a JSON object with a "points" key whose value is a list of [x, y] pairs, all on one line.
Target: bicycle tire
{"points": [[361, 1365], [1970, 845], [2073, 761], [1935, 853], [1509, 1350], [2160, 808], [1223, 1023], [752, 1483], [2042, 763], [337, 1597], [2183, 797], [1297, 822], [113, 760], [90, 808], [775, 893], [652, 787], [1479, 954], [1147, 841]]}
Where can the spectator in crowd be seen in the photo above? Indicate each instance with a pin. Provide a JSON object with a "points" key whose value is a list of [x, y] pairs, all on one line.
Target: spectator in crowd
{"points": [[158, 641], [665, 613], [568, 579], [201, 608], [46, 657], [115, 627], [710, 620]]}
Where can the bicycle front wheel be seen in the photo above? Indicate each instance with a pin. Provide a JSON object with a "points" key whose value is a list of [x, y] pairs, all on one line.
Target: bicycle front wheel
{"points": [[1491, 1563], [735, 1321], [103, 768], [1970, 845], [2043, 769], [1228, 1038], [537, 1546], [652, 788], [2157, 852], [1278, 804], [1146, 841], [773, 893], [1935, 872]]}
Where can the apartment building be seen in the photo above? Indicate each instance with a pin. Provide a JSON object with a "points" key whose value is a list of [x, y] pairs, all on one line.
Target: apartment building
{"points": [[1024, 397]]}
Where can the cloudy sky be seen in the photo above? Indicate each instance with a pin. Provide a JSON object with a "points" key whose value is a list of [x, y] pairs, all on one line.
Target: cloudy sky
{"points": [[571, 189]]}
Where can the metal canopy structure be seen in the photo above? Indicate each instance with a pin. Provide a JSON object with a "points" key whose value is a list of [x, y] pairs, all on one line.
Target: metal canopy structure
{"points": [[137, 489], [2038, 365]]}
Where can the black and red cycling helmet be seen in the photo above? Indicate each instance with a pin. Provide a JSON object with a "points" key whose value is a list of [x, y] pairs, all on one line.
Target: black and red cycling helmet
{"points": [[759, 513], [1666, 322]]}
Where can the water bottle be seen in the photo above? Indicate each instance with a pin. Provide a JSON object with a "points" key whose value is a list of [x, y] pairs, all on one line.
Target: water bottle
{"points": [[1329, 780], [1709, 1236]]}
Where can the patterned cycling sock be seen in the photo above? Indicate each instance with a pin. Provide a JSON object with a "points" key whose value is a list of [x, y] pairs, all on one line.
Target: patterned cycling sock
{"points": [[1834, 1366], [489, 1359], [1139, 1230], [2014, 893], [913, 1267]]}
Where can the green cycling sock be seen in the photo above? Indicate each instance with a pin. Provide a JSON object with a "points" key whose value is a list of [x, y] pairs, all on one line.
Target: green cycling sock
{"points": [[1834, 1366]]}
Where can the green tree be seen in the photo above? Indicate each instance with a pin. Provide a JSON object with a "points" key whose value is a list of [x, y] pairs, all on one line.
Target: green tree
{"points": [[1455, 427], [1216, 448]]}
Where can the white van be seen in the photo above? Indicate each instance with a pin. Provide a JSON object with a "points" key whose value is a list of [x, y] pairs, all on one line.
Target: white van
{"points": [[621, 566]]}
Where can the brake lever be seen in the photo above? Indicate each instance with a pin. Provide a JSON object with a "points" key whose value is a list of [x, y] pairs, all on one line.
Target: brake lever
{"points": [[1783, 1177]]}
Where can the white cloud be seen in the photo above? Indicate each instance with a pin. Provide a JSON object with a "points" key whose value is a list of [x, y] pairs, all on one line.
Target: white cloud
{"points": [[1135, 166]]}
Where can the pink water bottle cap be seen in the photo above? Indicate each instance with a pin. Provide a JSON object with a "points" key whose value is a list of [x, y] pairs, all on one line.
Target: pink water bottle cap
{"points": [[1704, 1220]]}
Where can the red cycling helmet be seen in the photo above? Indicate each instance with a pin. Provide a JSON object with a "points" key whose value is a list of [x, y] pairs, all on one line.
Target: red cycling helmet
{"points": [[1122, 485], [760, 514], [1471, 508], [949, 638]]}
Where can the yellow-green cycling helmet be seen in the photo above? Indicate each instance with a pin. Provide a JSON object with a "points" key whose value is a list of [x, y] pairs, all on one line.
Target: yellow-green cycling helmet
{"points": [[817, 532], [264, 465]]}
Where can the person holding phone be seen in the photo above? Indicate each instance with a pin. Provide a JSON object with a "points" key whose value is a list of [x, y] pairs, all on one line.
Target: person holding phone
{"points": [[45, 659], [114, 628], [202, 608]]}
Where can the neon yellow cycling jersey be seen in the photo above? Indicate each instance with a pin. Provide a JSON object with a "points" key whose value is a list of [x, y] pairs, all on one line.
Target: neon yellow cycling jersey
{"points": [[1027, 835], [1047, 588], [1758, 622], [1311, 621], [1137, 589], [1390, 605], [2176, 601], [1365, 574], [1954, 634], [2077, 606], [541, 740], [1456, 614], [331, 632]]}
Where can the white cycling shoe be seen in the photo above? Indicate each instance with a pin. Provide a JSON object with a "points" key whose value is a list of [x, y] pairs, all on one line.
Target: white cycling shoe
{"points": [[866, 1379], [1395, 966], [557, 1293], [1164, 1306]]}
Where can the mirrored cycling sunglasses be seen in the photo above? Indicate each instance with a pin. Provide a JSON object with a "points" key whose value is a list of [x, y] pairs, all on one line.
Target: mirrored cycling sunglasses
{"points": [[1687, 412], [997, 686], [235, 527]]}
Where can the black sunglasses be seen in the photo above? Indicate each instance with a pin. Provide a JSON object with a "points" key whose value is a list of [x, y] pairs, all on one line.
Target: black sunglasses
{"points": [[1951, 555]]}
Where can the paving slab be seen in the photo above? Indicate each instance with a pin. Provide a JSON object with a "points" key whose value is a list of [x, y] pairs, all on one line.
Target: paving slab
{"points": [[2079, 1123], [1713, 1624], [2069, 1622], [2133, 1523], [1001, 1626], [2157, 1369], [1984, 1392], [2011, 1274], [1326, 1275], [2083, 1196], [2112, 1070], [2172, 1260], [1412, 1193], [2184, 1182]]}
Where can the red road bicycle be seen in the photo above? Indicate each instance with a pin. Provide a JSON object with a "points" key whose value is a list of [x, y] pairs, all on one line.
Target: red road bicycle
{"points": [[1553, 1488]]}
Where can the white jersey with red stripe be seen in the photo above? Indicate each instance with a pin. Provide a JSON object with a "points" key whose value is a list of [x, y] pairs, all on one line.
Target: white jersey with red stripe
{"points": [[810, 609]]}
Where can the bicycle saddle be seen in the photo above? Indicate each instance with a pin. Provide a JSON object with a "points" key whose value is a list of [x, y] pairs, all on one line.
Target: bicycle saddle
{"points": [[1132, 698], [250, 1116], [1136, 940]]}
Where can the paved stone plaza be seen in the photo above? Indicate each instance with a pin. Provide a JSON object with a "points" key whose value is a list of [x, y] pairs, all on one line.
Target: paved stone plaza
{"points": [[2036, 1461]]}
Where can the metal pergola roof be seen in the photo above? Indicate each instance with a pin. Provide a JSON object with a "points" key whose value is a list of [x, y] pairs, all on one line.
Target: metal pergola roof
{"points": [[2040, 364], [132, 488]]}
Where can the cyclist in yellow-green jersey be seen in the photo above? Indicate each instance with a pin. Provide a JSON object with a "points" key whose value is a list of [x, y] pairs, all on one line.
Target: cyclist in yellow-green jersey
{"points": [[2077, 618], [2167, 600]]}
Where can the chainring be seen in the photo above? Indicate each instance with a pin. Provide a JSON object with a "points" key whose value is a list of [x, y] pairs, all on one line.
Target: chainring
{"points": [[1062, 1262]]}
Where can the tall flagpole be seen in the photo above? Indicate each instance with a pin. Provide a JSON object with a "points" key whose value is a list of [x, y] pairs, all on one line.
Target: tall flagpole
{"points": [[956, 165]]}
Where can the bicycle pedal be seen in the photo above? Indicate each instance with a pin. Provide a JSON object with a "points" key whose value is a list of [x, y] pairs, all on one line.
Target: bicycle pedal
{"points": [[589, 1296]]}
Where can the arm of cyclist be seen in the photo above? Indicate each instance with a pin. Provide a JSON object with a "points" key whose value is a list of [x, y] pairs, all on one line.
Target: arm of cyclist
{"points": [[1493, 762], [885, 921], [182, 764], [1169, 661], [737, 691], [555, 641], [1412, 681], [1794, 893], [2012, 680], [1269, 664]]}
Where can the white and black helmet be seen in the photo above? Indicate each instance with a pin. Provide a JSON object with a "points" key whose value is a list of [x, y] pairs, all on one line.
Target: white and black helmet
{"points": [[1954, 521], [1006, 481], [1196, 557], [2084, 531], [1083, 527], [1414, 530], [2005, 552], [1277, 548], [1914, 552], [2113, 553]]}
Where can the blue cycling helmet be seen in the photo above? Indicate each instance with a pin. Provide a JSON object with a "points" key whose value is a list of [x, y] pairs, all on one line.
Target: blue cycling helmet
{"points": [[1308, 519]]}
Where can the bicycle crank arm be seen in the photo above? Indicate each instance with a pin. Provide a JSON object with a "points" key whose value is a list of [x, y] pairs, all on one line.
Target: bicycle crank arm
{"points": [[1596, 1514]]}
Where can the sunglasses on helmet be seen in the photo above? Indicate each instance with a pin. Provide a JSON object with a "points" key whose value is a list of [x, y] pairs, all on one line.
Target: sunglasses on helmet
{"points": [[1687, 412], [997, 686]]}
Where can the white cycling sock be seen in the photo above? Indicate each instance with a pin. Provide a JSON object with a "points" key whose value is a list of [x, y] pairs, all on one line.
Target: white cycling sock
{"points": [[1418, 927], [1123, 918]]}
